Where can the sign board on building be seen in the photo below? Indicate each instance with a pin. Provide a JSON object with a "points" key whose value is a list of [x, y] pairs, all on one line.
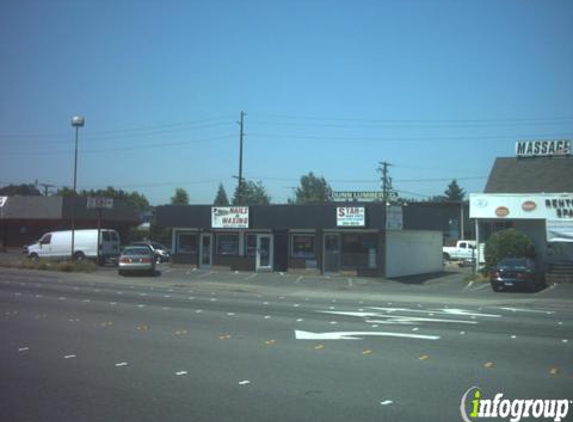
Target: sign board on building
{"points": [[394, 217], [522, 206], [543, 148], [99, 202], [350, 216], [3, 200], [559, 230], [356, 195], [230, 217]]}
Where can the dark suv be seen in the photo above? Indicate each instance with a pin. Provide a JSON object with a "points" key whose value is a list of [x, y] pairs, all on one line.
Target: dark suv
{"points": [[160, 252]]}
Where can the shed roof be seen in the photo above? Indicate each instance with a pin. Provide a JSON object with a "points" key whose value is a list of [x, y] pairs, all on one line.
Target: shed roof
{"points": [[531, 175]]}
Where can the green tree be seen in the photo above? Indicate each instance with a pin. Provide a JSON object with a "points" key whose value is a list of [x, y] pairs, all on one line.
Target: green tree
{"points": [[508, 243], [181, 197], [136, 199], [221, 198], [21, 190], [312, 190], [454, 192], [251, 193]]}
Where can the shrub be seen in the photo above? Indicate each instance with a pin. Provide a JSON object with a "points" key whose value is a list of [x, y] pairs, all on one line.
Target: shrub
{"points": [[64, 266], [508, 243]]}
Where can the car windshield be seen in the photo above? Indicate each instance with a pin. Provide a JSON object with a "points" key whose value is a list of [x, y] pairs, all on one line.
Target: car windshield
{"points": [[136, 251], [515, 264]]}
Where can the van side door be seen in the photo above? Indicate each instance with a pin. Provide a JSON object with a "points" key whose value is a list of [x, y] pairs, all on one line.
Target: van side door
{"points": [[46, 248]]}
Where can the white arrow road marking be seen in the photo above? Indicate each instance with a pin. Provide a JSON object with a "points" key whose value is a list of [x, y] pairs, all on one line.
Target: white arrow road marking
{"points": [[356, 335], [411, 320], [533, 311], [465, 312], [444, 311], [396, 319]]}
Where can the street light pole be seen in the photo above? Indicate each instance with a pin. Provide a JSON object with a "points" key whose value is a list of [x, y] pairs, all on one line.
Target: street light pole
{"points": [[77, 122]]}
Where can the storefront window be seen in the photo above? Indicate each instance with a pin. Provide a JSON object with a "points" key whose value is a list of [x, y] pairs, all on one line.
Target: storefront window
{"points": [[303, 246], [359, 250], [251, 244], [227, 244], [186, 243]]}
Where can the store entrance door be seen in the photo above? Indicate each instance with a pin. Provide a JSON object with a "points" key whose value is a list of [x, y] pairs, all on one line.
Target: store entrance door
{"points": [[264, 260], [331, 253], [206, 250]]}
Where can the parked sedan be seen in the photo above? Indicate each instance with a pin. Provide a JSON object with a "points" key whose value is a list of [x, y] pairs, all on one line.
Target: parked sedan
{"points": [[136, 259], [516, 273], [160, 252]]}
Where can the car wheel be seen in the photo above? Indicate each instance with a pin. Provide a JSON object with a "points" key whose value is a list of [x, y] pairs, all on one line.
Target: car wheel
{"points": [[33, 256], [79, 256], [446, 257], [496, 288]]}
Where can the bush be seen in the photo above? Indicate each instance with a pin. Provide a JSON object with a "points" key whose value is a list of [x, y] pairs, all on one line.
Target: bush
{"points": [[508, 243], [63, 266]]}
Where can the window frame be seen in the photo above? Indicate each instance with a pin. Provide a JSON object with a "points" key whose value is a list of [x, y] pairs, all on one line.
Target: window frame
{"points": [[302, 255], [194, 250], [218, 237]]}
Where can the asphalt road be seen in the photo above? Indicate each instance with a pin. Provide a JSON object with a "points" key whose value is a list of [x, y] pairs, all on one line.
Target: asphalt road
{"points": [[206, 346]]}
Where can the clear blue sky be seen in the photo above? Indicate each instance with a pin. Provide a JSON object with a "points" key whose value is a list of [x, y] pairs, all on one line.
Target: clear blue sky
{"points": [[438, 88]]}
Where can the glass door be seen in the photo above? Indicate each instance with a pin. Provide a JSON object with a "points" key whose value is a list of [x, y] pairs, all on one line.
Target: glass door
{"points": [[206, 250], [264, 252], [331, 253]]}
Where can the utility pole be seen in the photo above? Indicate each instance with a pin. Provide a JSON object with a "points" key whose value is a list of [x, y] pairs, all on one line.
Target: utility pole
{"points": [[386, 181], [241, 136], [46, 186]]}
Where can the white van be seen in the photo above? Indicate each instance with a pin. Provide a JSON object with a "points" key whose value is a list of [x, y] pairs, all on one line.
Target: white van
{"points": [[58, 245]]}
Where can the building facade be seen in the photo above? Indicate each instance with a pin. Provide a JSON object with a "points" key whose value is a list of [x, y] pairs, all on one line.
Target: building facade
{"points": [[532, 192], [326, 238], [24, 219]]}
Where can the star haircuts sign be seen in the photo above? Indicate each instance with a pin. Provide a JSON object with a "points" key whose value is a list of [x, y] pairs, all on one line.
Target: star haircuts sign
{"points": [[230, 217], [350, 216]]}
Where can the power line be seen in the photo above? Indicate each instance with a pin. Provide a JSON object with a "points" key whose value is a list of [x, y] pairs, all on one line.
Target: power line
{"points": [[405, 124], [424, 121], [401, 139], [151, 129], [133, 148]]}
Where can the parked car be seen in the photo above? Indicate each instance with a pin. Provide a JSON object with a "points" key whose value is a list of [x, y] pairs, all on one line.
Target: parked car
{"points": [[516, 273], [160, 252], [464, 250], [136, 259], [58, 245]]}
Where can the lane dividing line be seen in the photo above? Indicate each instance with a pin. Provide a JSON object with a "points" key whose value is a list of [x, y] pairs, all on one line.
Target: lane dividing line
{"points": [[120, 364], [70, 356], [180, 373], [23, 349]]}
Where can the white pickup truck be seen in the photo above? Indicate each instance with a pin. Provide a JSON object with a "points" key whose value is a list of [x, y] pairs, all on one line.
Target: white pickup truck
{"points": [[464, 250]]}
